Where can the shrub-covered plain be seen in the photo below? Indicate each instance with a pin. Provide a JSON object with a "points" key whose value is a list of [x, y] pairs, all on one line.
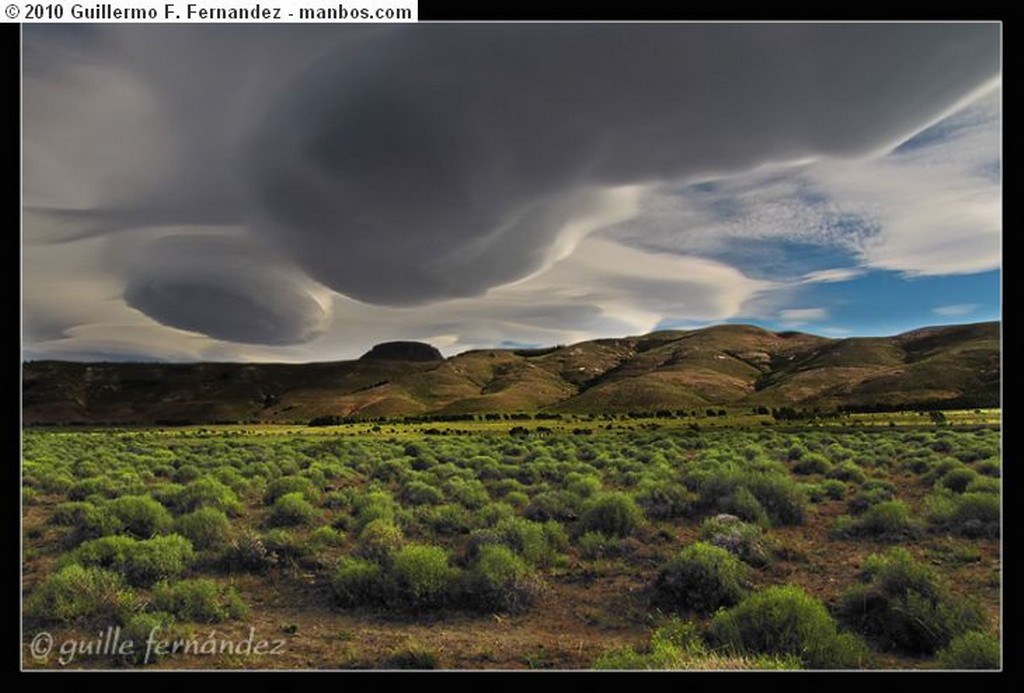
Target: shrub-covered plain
{"points": [[606, 522]]}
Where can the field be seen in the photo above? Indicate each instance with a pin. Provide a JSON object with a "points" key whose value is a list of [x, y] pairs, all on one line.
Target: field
{"points": [[869, 541]]}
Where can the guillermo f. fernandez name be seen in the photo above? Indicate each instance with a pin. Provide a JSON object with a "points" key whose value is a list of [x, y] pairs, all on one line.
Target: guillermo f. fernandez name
{"points": [[192, 11]]}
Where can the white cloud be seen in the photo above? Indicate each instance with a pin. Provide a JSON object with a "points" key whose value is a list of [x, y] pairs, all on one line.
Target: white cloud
{"points": [[830, 276], [956, 309], [794, 317], [931, 209]]}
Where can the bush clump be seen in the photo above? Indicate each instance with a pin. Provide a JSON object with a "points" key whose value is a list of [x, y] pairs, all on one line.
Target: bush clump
{"points": [[500, 580], [973, 650], [356, 581], [285, 485], [594, 545], [847, 471], [292, 509], [613, 513], [889, 521], [77, 591], [422, 575], [142, 562], [248, 552], [89, 521], [903, 605], [201, 600], [787, 621], [743, 539], [139, 628], [971, 514], [141, 516], [957, 479], [678, 646], [420, 493], [554, 505], [703, 577], [812, 463], [206, 528], [378, 540], [539, 543], [207, 492]]}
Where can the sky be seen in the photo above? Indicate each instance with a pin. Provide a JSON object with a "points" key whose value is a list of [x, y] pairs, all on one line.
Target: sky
{"points": [[300, 193]]}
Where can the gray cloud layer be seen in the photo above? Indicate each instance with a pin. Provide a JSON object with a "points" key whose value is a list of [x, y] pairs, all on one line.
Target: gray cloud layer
{"points": [[468, 147], [409, 165]]}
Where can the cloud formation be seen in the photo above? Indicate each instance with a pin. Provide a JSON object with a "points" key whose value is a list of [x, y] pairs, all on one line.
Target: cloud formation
{"points": [[289, 186]]}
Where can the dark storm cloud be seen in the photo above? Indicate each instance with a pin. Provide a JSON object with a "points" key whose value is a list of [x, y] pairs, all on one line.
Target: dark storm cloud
{"points": [[219, 287], [407, 165], [446, 160]]}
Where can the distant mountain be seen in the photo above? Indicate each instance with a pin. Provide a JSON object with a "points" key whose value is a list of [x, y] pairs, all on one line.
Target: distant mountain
{"points": [[723, 366]]}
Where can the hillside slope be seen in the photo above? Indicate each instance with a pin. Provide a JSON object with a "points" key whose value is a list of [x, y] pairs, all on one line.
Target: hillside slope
{"points": [[721, 366]]}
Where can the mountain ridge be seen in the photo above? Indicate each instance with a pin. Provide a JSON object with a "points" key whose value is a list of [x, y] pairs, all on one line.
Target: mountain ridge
{"points": [[721, 366]]}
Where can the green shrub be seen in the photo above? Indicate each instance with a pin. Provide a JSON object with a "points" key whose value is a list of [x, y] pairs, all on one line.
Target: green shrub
{"points": [[285, 545], [971, 514], [678, 645], [593, 545], [903, 605], [248, 552], [422, 574], [285, 485], [292, 509], [75, 592], [207, 492], [89, 521], [984, 484], [957, 479], [141, 516], [140, 628], [449, 518], [744, 540], [201, 600], [419, 493], [834, 488], [469, 493], [379, 539], [142, 562], [847, 471], [187, 473], [206, 528], [539, 543], [613, 513], [812, 463], [787, 621], [973, 650], [990, 467], [887, 521], [663, 501], [501, 580], [325, 536], [781, 497], [356, 581], [517, 499], [375, 505], [702, 578], [98, 486], [582, 485], [742, 503], [168, 495], [554, 505]]}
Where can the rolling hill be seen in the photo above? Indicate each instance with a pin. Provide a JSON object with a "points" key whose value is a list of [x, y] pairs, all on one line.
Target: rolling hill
{"points": [[722, 366]]}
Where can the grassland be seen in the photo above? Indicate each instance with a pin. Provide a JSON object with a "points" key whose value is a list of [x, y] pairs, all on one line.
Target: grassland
{"points": [[576, 542]]}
